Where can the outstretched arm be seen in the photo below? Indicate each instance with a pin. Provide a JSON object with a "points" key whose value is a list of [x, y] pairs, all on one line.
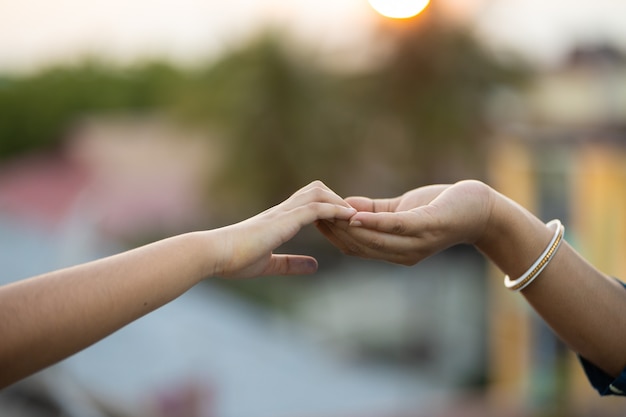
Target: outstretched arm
{"points": [[583, 306], [49, 317]]}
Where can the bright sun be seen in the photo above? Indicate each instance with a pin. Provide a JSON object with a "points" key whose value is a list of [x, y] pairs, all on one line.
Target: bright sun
{"points": [[399, 9]]}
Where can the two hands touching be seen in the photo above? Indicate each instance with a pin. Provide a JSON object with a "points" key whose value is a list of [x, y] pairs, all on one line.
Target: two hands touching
{"points": [[402, 230], [584, 307], [409, 228], [49, 317]]}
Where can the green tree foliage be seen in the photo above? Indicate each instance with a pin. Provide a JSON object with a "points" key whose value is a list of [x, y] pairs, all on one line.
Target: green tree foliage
{"points": [[280, 116], [36, 111], [427, 100], [415, 116]]}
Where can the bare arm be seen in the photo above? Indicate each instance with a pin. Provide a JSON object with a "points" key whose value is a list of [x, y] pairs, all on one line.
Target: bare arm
{"points": [[586, 308], [583, 306], [49, 317]]}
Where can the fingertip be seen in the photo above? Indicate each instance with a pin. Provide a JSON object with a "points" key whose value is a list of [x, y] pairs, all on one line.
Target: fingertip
{"points": [[344, 213], [295, 264], [356, 220], [305, 265]]}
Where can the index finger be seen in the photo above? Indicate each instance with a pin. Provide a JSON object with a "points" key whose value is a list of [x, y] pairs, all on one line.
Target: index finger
{"points": [[315, 191], [408, 223], [372, 205]]}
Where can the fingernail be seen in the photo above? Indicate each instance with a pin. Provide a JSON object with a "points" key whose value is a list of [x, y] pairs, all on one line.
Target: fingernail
{"points": [[310, 265], [356, 223]]}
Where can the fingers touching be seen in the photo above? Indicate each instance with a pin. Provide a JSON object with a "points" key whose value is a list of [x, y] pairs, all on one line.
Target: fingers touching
{"points": [[411, 227], [365, 204], [372, 243], [248, 245], [316, 201], [404, 229]]}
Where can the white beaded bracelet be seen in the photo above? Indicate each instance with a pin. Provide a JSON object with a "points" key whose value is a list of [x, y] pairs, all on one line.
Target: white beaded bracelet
{"points": [[541, 262]]}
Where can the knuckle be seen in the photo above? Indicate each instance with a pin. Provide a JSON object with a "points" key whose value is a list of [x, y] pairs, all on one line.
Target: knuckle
{"points": [[352, 249], [316, 193], [317, 186], [376, 244], [398, 228], [311, 206]]}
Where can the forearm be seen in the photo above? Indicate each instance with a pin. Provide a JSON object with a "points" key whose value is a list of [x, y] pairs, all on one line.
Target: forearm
{"points": [[583, 306], [70, 309]]}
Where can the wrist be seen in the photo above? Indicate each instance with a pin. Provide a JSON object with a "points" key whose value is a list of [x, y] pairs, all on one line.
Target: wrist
{"points": [[513, 237], [497, 223], [207, 253]]}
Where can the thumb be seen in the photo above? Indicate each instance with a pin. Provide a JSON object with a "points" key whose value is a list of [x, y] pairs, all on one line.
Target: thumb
{"points": [[291, 265]]}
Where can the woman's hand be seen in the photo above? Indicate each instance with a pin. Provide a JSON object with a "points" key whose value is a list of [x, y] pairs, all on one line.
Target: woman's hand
{"points": [[245, 249], [411, 227], [54, 315]]}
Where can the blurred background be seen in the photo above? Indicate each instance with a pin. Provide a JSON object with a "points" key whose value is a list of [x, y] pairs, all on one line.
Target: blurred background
{"points": [[125, 122]]}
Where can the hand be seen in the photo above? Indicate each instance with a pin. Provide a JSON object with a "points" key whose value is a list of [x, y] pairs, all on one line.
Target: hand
{"points": [[245, 249], [411, 227]]}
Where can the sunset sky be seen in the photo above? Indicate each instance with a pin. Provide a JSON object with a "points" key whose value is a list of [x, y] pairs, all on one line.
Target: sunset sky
{"points": [[34, 32]]}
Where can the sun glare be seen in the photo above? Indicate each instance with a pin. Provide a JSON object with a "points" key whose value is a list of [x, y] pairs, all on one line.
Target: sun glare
{"points": [[399, 9]]}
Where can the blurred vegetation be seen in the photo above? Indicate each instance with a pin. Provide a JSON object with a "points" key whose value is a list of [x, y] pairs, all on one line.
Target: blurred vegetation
{"points": [[415, 116], [282, 117], [433, 91], [37, 110]]}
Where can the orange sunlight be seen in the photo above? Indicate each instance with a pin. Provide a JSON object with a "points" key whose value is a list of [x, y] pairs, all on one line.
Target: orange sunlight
{"points": [[399, 9]]}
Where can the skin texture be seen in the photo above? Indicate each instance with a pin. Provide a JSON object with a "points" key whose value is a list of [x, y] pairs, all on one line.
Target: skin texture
{"points": [[54, 315], [585, 308]]}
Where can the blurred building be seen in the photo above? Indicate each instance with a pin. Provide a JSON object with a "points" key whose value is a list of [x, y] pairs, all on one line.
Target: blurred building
{"points": [[561, 152], [126, 177]]}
